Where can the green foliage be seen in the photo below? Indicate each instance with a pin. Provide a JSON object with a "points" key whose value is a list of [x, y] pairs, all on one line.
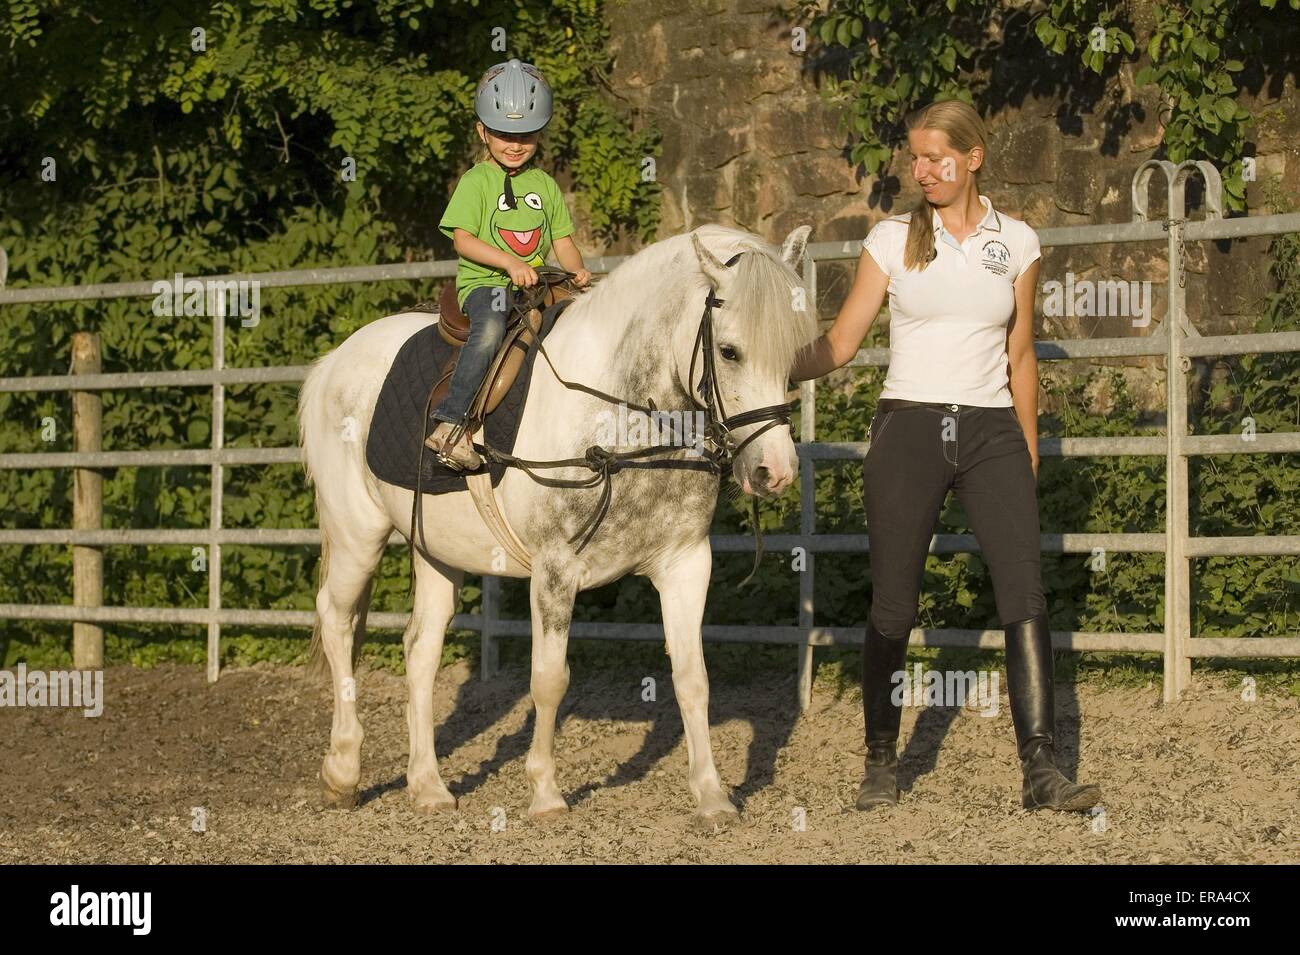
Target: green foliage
{"points": [[899, 55], [1194, 51], [616, 173], [1088, 27], [1250, 494], [255, 106]]}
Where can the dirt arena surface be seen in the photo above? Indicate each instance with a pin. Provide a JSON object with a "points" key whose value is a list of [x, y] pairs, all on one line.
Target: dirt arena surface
{"points": [[1210, 780]]}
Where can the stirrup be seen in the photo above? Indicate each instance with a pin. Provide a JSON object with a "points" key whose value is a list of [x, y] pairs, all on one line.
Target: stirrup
{"points": [[444, 450]]}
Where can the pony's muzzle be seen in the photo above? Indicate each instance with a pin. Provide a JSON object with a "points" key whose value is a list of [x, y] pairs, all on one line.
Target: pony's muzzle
{"points": [[773, 474], [772, 481]]}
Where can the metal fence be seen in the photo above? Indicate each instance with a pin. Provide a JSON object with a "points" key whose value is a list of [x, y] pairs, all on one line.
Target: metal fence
{"points": [[1174, 338]]}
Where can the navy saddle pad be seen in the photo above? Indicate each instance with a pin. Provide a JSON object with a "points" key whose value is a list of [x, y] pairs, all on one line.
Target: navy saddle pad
{"points": [[393, 445]]}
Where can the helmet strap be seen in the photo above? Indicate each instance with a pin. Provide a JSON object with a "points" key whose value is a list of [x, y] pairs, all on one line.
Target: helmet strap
{"points": [[511, 202]]}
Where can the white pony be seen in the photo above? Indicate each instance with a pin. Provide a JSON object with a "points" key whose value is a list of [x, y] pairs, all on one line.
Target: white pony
{"points": [[632, 335]]}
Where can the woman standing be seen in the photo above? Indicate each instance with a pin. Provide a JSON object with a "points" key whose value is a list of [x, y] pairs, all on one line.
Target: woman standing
{"points": [[959, 412]]}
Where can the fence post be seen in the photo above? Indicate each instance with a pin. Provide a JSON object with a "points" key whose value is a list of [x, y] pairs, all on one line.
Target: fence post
{"points": [[1177, 665], [488, 650], [218, 485], [87, 504], [807, 501], [1178, 623]]}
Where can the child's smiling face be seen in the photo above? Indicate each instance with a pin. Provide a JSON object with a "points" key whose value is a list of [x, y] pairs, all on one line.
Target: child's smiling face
{"points": [[512, 150]]}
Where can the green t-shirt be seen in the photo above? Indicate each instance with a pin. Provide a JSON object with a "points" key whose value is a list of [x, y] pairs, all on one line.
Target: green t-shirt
{"points": [[479, 206]]}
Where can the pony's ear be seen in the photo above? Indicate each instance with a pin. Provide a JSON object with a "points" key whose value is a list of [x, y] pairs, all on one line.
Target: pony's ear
{"points": [[714, 270], [795, 243]]}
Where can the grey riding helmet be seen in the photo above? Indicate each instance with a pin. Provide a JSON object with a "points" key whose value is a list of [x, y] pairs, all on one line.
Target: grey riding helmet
{"points": [[513, 97]]}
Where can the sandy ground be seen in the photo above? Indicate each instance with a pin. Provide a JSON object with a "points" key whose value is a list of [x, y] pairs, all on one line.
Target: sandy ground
{"points": [[1213, 779]]}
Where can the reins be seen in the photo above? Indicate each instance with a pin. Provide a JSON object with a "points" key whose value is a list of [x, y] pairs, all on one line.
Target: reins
{"points": [[718, 451]]}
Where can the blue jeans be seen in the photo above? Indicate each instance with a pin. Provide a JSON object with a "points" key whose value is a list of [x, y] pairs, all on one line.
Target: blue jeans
{"points": [[487, 328]]}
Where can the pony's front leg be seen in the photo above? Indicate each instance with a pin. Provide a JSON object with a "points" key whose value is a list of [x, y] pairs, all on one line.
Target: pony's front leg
{"points": [[683, 584], [552, 594], [436, 586]]}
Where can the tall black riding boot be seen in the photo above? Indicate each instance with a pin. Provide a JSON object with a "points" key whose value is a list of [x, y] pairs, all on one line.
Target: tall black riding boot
{"points": [[1033, 711], [881, 659]]}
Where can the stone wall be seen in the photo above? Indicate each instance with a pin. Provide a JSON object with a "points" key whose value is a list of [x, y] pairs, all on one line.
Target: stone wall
{"points": [[749, 141]]}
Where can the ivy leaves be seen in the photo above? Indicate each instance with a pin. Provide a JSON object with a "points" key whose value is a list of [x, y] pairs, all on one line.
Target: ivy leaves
{"points": [[898, 56], [1188, 51]]}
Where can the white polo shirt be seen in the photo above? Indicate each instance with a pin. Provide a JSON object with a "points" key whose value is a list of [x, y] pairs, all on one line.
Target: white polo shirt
{"points": [[948, 321]]}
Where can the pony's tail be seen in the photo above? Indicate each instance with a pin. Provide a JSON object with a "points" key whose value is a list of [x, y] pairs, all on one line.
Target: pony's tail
{"points": [[310, 412], [317, 666]]}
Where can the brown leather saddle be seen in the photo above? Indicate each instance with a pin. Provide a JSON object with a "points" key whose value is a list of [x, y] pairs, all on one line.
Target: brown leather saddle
{"points": [[523, 324]]}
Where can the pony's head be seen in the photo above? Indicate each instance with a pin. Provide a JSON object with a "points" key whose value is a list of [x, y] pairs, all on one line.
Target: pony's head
{"points": [[765, 320]]}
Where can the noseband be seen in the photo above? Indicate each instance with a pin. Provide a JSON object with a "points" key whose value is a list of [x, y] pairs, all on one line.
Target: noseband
{"points": [[717, 425]]}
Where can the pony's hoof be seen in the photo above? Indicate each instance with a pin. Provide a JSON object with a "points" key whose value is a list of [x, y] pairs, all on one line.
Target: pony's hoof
{"points": [[544, 811], [433, 803], [331, 798], [717, 819]]}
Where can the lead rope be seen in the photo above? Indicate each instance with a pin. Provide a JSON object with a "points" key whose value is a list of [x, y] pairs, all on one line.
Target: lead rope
{"points": [[713, 391], [417, 505]]}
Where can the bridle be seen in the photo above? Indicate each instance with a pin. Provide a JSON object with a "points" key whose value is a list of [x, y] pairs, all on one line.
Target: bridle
{"points": [[718, 426], [718, 447]]}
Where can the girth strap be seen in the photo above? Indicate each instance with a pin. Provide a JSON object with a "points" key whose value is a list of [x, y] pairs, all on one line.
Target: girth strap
{"points": [[485, 499]]}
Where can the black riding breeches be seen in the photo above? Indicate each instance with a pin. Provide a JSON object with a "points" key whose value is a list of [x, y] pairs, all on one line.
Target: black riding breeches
{"points": [[919, 452]]}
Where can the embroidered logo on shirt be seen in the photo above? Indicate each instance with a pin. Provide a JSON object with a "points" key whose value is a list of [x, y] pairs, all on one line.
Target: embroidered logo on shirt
{"points": [[995, 257]]}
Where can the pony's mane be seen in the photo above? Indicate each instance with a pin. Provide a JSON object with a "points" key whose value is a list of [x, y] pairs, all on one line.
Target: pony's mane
{"points": [[770, 331]]}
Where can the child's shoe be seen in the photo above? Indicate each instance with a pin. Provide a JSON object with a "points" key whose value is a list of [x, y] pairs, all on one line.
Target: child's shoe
{"points": [[461, 456]]}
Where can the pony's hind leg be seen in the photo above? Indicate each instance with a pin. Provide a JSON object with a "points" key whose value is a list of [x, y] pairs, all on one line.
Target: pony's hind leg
{"points": [[552, 595], [348, 563], [436, 586]]}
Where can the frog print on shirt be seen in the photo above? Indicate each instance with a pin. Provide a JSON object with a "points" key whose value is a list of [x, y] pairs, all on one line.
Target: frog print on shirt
{"points": [[520, 230]]}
